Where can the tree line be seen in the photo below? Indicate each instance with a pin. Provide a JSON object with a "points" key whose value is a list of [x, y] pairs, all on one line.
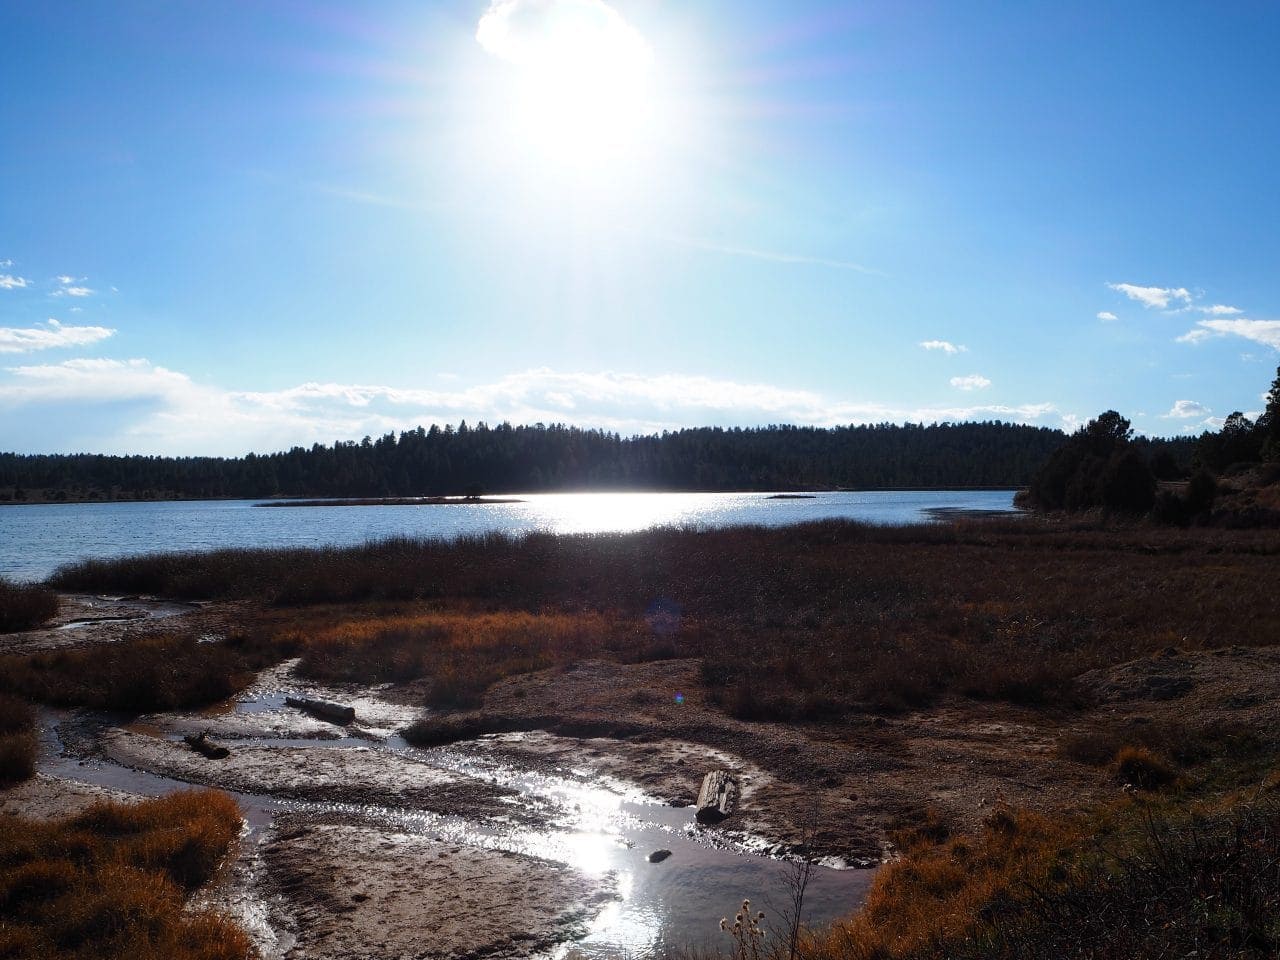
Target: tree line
{"points": [[1102, 466], [466, 459]]}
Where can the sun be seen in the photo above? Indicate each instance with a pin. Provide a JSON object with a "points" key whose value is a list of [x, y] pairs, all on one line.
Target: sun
{"points": [[582, 87]]}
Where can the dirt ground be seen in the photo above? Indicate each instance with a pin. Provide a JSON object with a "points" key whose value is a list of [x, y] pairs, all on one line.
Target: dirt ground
{"points": [[364, 891]]}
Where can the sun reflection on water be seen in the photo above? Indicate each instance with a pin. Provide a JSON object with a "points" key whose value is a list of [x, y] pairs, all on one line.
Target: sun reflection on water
{"points": [[620, 512]]}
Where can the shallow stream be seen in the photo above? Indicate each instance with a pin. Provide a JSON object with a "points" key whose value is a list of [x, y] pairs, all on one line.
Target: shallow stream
{"points": [[598, 825]]}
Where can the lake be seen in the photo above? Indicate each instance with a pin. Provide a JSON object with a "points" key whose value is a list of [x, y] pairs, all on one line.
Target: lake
{"points": [[36, 538]]}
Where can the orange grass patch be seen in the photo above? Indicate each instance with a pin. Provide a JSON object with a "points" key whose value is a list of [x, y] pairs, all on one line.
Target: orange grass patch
{"points": [[112, 882]]}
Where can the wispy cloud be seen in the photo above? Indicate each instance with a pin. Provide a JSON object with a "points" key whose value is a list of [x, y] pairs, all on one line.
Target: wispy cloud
{"points": [[1186, 409], [946, 346], [974, 381], [51, 336], [1221, 310], [1266, 332], [1107, 316], [72, 287], [10, 282], [171, 413], [774, 256], [1150, 297]]}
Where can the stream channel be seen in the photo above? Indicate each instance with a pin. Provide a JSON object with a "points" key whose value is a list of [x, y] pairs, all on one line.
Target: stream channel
{"points": [[565, 813]]}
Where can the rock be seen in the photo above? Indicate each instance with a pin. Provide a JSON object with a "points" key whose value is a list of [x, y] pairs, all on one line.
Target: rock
{"points": [[659, 855], [203, 745], [333, 712], [717, 796]]}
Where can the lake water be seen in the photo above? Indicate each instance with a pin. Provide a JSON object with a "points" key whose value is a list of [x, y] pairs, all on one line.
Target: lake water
{"points": [[36, 538]]}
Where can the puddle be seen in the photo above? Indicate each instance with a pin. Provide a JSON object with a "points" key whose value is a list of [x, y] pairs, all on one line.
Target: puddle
{"points": [[95, 621], [600, 826]]}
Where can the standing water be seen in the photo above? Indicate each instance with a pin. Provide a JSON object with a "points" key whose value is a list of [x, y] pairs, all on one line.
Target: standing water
{"points": [[35, 539]]}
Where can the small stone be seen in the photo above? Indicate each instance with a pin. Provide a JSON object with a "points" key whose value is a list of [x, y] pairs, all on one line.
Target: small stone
{"points": [[659, 855]]}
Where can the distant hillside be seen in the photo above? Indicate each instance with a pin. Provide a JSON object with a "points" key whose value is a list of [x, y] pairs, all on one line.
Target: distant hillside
{"points": [[506, 459]]}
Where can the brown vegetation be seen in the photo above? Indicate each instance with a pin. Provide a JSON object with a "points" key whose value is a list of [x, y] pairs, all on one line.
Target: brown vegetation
{"points": [[17, 741], [1132, 882], [143, 674], [461, 654], [799, 623], [112, 881], [25, 605]]}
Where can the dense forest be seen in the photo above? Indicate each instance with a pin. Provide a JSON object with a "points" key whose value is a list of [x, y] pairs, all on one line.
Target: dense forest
{"points": [[1102, 466], [510, 459]]}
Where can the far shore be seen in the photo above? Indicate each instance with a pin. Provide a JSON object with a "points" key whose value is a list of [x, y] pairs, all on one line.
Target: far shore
{"points": [[389, 502]]}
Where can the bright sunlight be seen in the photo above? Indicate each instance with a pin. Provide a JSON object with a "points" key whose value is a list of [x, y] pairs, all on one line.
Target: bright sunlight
{"points": [[583, 93]]}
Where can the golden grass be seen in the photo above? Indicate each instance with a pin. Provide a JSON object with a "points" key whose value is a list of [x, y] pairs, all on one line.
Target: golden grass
{"points": [[461, 653], [1134, 880], [111, 883], [945, 892]]}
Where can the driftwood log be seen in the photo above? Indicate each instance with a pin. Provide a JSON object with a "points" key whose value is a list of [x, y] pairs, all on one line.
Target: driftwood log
{"points": [[717, 797], [333, 712], [203, 745]]}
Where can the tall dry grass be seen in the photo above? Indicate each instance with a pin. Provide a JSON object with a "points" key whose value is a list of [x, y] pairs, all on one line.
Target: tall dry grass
{"points": [[1133, 882], [461, 654], [144, 674], [836, 616], [17, 740], [25, 605], [112, 882]]}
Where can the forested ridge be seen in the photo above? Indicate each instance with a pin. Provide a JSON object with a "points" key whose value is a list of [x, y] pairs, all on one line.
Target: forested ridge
{"points": [[510, 459]]}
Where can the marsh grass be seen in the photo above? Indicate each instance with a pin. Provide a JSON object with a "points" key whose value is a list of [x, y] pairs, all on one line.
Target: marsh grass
{"points": [[17, 740], [23, 606], [140, 675], [1131, 881], [461, 654], [112, 882], [838, 616]]}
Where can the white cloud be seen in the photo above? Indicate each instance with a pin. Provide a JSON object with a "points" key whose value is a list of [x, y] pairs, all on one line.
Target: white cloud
{"points": [[560, 34], [69, 291], [1194, 336], [1266, 332], [10, 282], [65, 280], [974, 381], [1153, 296], [1221, 310], [88, 380], [944, 345], [169, 413], [1185, 409], [48, 337], [1107, 315], [5, 264]]}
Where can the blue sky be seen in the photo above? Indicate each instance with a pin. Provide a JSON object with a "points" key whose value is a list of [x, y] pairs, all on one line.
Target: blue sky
{"points": [[241, 226]]}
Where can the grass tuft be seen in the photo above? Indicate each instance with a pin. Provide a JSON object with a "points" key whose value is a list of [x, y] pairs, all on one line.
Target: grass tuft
{"points": [[1143, 768], [23, 606]]}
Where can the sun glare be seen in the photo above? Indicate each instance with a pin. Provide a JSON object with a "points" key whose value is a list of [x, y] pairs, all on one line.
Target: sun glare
{"points": [[582, 85]]}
